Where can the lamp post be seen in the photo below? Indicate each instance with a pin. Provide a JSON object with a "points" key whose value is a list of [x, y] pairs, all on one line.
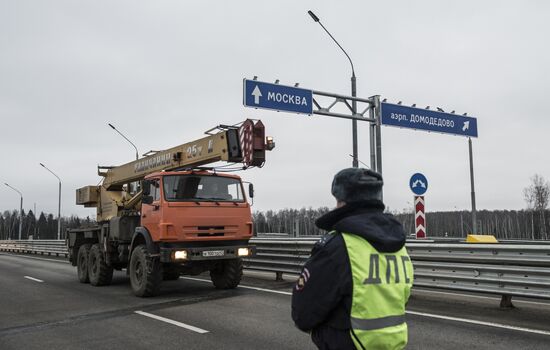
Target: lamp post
{"points": [[473, 192], [58, 203], [121, 134], [353, 91], [20, 209]]}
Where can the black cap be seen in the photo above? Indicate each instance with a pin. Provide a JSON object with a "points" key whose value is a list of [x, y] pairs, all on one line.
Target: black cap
{"points": [[356, 184]]}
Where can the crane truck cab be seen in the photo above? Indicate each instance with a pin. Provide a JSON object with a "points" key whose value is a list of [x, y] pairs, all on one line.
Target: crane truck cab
{"points": [[195, 221], [190, 205], [181, 221]]}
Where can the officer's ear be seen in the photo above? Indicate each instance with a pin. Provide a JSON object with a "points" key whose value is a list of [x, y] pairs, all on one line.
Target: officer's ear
{"points": [[340, 204]]}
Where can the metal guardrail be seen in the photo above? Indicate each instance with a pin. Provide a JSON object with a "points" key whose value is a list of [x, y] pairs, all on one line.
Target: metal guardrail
{"points": [[280, 255], [505, 254], [504, 269], [509, 269], [505, 280], [42, 247]]}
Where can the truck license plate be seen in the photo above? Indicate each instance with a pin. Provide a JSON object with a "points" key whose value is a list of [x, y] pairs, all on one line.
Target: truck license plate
{"points": [[213, 253]]}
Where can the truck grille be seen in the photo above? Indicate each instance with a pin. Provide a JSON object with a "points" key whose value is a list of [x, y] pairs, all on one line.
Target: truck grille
{"points": [[210, 231]]}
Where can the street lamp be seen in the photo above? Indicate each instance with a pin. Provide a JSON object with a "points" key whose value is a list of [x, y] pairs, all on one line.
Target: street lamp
{"points": [[20, 209], [473, 191], [353, 90], [58, 203], [121, 134]]}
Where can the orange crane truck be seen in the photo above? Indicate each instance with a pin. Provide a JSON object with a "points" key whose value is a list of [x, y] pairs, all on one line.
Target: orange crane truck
{"points": [[164, 215]]}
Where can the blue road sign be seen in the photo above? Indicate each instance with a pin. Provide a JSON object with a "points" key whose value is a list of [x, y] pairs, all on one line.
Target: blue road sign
{"points": [[258, 94], [424, 119], [418, 184]]}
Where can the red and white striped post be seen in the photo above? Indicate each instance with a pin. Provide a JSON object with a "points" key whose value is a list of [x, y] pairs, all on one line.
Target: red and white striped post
{"points": [[420, 217], [419, 185]]}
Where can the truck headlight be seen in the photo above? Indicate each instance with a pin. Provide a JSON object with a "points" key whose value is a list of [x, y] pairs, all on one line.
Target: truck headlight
{"points": [[243, 252], [180, 254]]}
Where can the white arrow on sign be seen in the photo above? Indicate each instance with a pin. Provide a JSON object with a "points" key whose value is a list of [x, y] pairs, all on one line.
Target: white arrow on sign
{"points": [[466, 126], [417, 182], [257, 94]]}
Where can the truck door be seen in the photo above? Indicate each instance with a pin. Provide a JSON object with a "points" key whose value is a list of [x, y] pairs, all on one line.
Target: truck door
{"points": [[151, 214]]}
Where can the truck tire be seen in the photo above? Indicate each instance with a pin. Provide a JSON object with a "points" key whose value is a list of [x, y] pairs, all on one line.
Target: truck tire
{"points": [[99, 272], [82, 263], [170, 273], [145, 273], [227, 275]]}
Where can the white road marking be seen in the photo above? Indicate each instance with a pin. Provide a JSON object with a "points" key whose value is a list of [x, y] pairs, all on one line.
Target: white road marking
{"points": [[245, 287], [477, 296], [175, 323], [33, 279], [482, 323], [266, 290]]}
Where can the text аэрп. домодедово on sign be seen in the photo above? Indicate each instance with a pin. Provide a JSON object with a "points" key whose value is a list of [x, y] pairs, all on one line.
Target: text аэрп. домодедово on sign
{"points": [[425, 119]]}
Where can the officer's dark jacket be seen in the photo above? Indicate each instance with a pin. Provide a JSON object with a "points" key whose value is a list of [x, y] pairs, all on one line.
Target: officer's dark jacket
{"points": [[321, 301]]}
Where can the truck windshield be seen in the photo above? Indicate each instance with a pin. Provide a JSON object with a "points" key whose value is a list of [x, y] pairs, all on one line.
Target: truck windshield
{"points": [[184, 188]]}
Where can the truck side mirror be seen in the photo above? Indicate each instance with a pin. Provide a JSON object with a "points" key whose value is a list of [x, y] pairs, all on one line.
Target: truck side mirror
{"points": [[145, 188], [251, 190]]}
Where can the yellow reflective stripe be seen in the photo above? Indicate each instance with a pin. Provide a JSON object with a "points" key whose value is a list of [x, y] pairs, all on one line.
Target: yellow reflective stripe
{"points": [[376, 323]]}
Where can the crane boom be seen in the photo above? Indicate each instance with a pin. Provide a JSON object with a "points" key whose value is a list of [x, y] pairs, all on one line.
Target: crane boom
{"points": [[223, 146], [244, 144]]}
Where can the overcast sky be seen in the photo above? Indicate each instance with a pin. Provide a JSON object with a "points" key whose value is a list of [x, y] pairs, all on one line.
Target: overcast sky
{"points": [[164, 72]]}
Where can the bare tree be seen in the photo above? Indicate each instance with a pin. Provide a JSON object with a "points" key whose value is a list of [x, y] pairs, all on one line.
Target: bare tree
{"points": [[529, 197], [537, 195]]}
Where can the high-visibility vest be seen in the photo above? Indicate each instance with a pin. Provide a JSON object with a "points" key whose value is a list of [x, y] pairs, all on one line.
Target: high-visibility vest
{"points": [[381, 287]]}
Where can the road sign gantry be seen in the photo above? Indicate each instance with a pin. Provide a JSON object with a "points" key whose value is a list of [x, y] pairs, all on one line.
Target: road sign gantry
{"points": [[258, 94]]}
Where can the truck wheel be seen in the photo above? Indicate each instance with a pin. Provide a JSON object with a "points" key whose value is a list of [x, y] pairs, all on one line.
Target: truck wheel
{"points": [[100, 274], [82, 263], [170, 273], [145, 273], [227, 275]]}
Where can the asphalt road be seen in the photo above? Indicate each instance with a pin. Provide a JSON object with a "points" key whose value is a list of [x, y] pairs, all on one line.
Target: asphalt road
{"points": [[42, 306]]}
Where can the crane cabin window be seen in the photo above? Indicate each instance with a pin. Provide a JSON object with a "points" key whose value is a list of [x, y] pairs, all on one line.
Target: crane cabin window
{"points": [[186, 188]]}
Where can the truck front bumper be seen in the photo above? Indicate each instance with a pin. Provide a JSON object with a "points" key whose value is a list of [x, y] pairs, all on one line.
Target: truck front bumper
{"points": [[183, 254]]}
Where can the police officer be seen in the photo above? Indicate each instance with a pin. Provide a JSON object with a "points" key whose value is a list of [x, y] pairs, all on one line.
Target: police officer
{"points": [[353, 290]]}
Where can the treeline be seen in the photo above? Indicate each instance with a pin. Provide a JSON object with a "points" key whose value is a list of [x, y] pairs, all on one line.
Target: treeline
{"points": [[294, 222], [43, 227], [504, 224]]}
